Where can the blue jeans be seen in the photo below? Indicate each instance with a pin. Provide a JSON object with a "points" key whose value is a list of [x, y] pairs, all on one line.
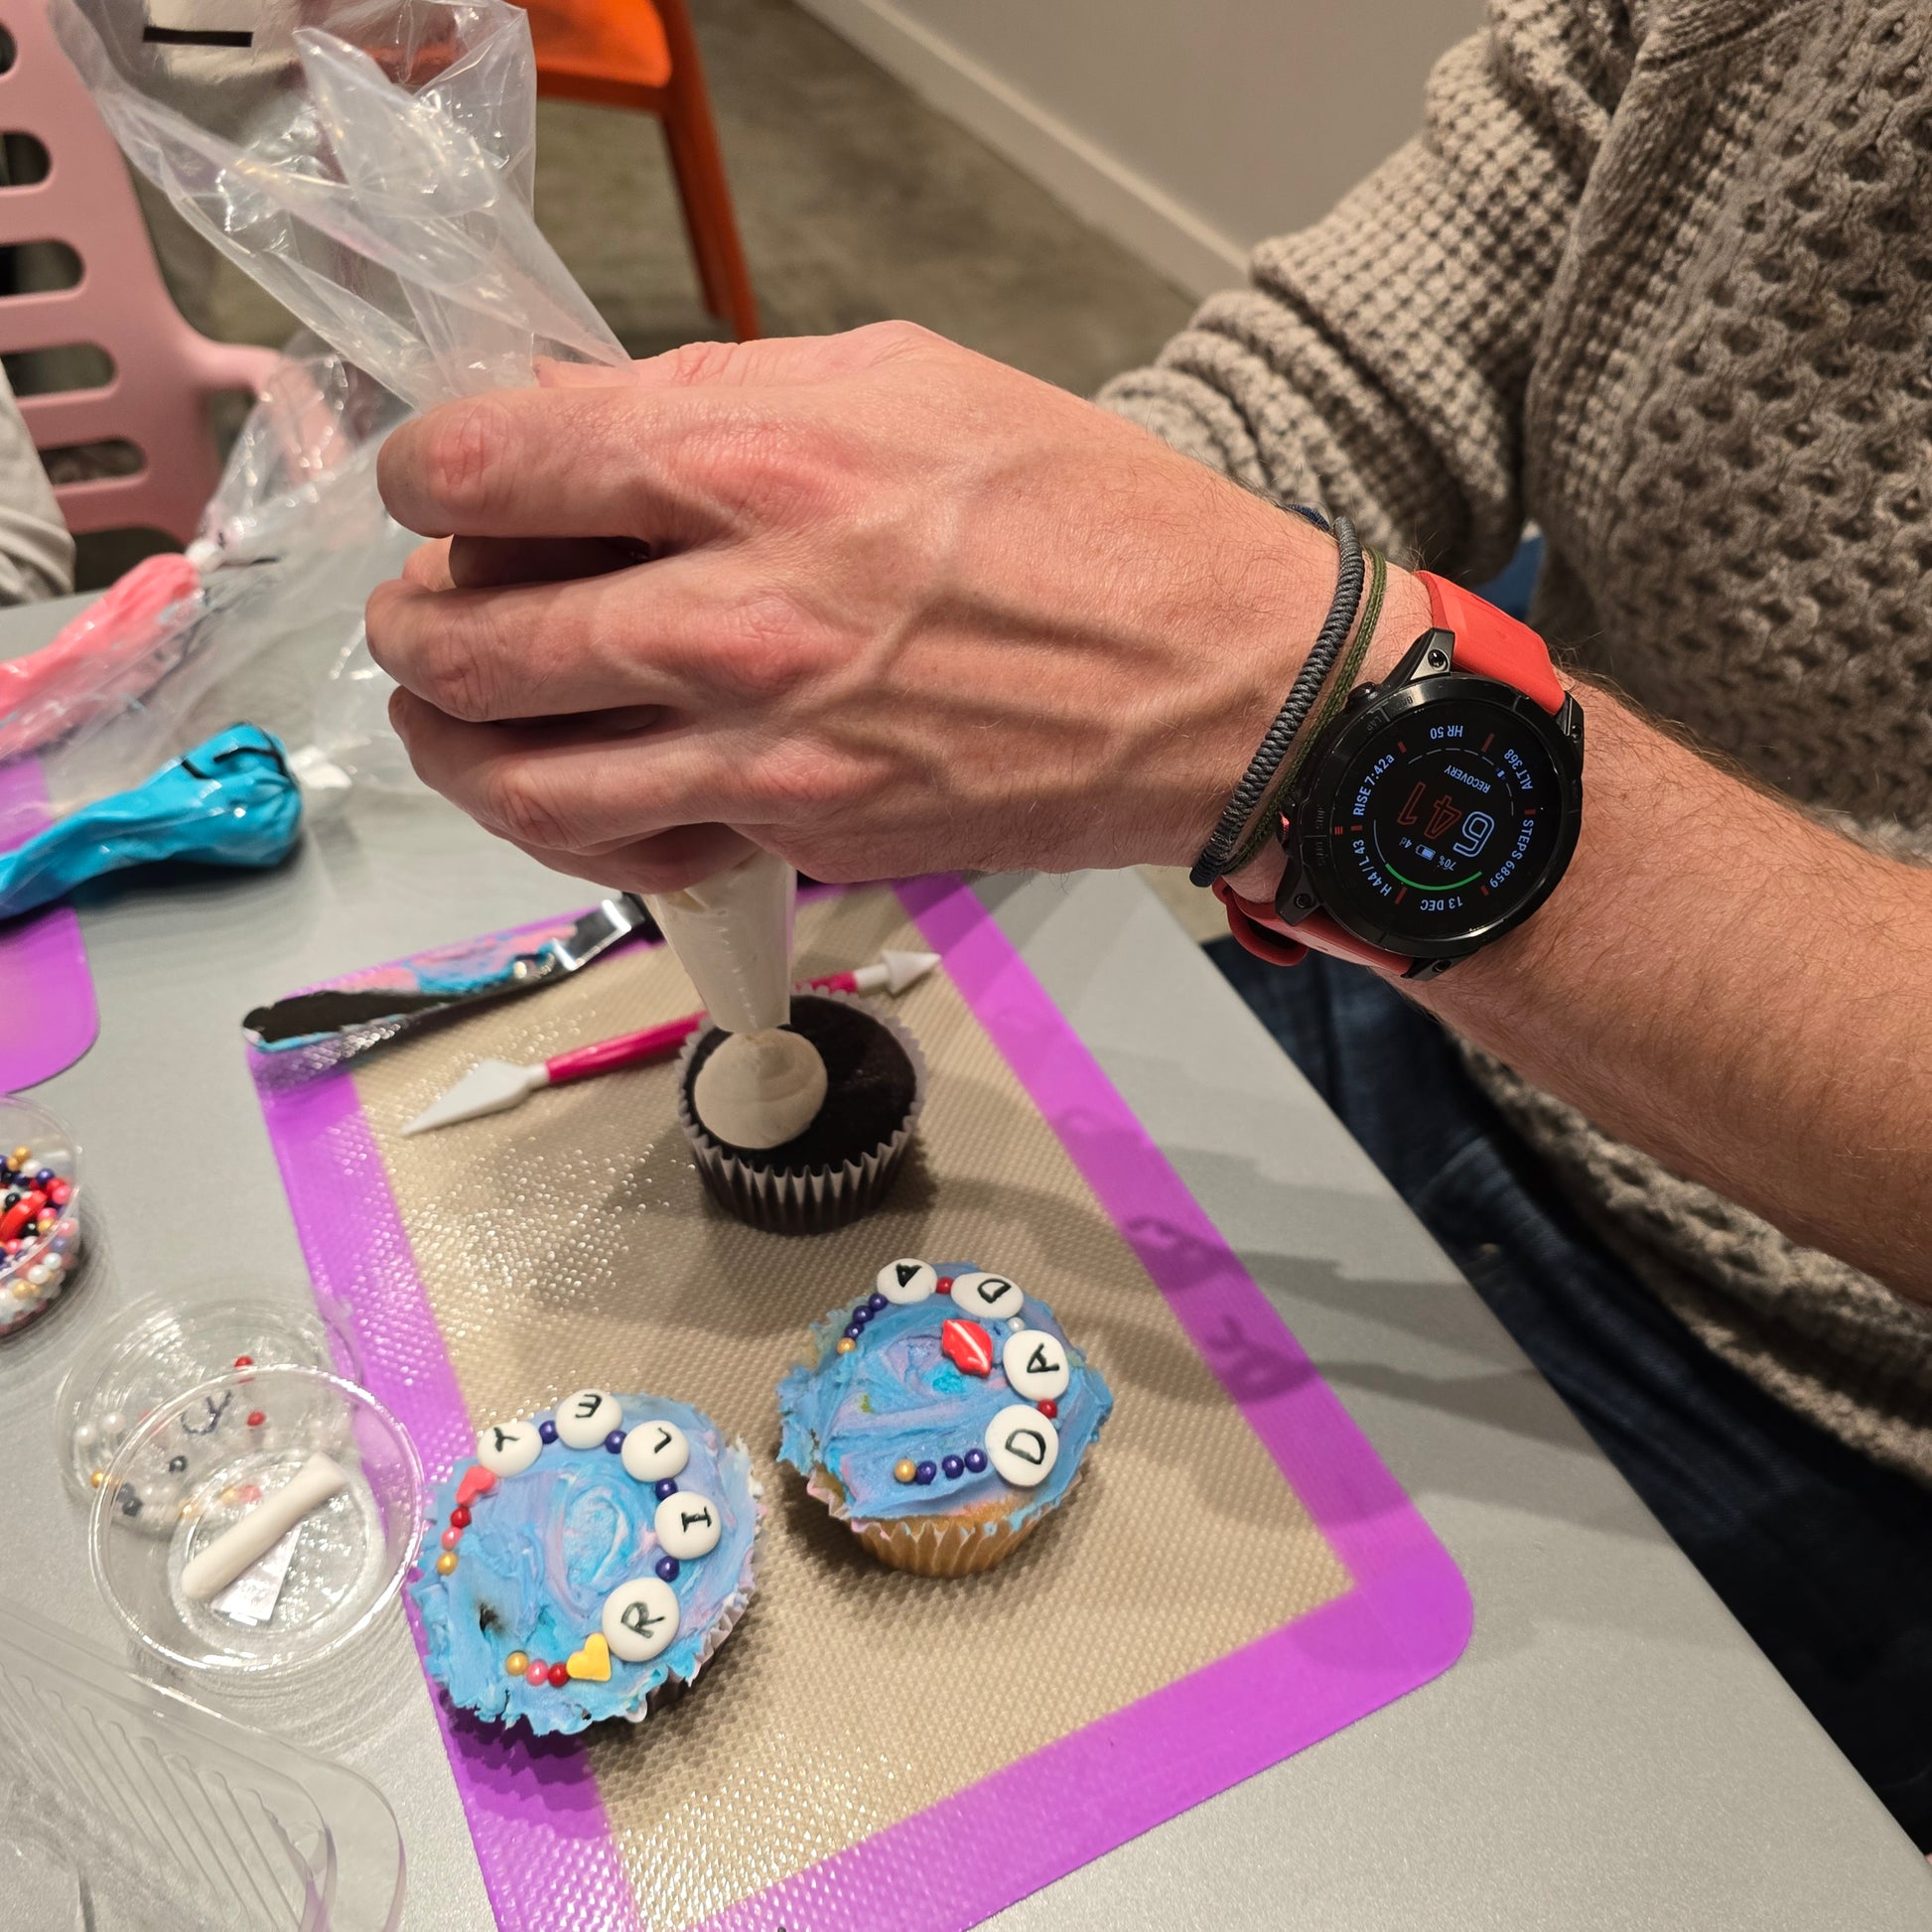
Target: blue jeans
{"points": [[1825, 1558]]}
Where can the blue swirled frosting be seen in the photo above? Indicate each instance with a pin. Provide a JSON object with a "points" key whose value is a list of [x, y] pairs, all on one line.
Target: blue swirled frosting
{"points": [[545, 1546], [897, 1397]]}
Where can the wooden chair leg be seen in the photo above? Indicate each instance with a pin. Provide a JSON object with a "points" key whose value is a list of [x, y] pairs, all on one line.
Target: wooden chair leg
{"points": [[691, 135]]}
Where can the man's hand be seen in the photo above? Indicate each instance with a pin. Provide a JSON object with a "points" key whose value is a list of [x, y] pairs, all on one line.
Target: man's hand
{"points": [[871, 600]]}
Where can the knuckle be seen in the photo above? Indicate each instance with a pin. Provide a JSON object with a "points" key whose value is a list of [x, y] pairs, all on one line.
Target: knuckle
{"points": [[899, 338], [764, 647], [450, 673], [519, 802], [797, 780], [693, 364], [459, 456]]}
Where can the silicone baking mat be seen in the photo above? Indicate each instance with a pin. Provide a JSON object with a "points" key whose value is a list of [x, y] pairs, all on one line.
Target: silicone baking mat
{"points": [[1235, 1577], [47, 1018]]}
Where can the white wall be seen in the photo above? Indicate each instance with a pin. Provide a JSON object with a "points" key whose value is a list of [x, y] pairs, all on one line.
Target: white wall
{"points": [[1188, 129]]}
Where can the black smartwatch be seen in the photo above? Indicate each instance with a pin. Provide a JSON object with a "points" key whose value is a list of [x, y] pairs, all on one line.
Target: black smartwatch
{"points": [[1437, 810]]}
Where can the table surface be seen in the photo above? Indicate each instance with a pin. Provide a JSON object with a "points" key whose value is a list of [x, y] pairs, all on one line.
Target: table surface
{"points": [[1612, 1752]]}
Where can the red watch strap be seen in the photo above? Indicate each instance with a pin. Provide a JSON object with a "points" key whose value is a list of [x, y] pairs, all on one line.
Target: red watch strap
{"points": [[1491, 643], [1260, 929]]}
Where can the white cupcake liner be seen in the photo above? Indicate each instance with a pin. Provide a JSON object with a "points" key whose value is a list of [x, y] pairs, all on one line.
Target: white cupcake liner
{"points": [[802, 1200]]}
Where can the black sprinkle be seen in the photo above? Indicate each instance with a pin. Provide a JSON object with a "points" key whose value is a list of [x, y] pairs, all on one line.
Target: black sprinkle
{"points": [[868, 1092], [486, 1619]]}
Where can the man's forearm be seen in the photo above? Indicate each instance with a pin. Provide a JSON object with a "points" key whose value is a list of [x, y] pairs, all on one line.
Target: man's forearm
{"points": [[1734, 988]]}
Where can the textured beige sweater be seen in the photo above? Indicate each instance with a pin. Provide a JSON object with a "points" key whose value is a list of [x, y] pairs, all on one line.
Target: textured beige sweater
{"points": [[1658, 276]]}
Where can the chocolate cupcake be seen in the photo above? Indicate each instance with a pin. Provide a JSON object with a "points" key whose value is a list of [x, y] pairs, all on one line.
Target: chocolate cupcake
{"points": [[848, 1156]]}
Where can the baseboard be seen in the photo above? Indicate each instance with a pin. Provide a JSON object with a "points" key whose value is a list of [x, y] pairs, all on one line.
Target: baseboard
{"points": [[1096, 184]]}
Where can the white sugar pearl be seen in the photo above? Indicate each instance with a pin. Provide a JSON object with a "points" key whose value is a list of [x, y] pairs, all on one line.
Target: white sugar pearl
{"points": [[1036, 1365], [113, 1422], [907, 1280], [507, 1448], [687, 1525], [38, 1275], [1024, 1446], [640, 1619], [586, 1418], [87, 1436], [653, 1451], [992, 1298]]}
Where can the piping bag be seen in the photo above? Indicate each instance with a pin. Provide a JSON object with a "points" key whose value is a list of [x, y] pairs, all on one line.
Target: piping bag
{"points": [[372, 169]]}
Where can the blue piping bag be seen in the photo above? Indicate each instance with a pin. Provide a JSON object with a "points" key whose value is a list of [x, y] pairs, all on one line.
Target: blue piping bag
{"points": [[231, 801]]}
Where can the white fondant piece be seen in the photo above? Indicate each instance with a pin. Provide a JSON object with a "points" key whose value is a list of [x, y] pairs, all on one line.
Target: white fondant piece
{"points": [[264, 1526], [640, 1619], [586, 1418], [1036, 1365], [687, 1525], [654, 1450], [733, 934], [906, 1280], [507, 1448], [987, 1297], [760, 1090], [1024, 1446]]}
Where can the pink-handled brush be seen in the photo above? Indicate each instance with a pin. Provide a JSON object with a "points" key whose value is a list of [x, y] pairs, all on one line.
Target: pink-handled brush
{"points": [[492, 1086]]}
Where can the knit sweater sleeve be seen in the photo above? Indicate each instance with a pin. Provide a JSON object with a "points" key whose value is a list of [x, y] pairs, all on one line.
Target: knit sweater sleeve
{"points": [[1377, 363]]}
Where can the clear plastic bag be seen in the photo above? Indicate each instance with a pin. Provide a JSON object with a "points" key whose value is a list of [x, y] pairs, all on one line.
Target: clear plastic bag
{"points": [[249, 626], [370, 167]]}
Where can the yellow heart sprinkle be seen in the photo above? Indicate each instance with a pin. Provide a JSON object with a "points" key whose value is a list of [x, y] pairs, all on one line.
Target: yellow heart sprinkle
{"points": [[593, 1661]]}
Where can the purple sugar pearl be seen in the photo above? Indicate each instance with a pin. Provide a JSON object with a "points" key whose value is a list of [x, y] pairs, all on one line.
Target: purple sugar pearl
{"points": [[548, 1430], [667, 1569], [976, 1460], [926, 1473], [874, 1303], [614, 1441], [954, 1467], [667, 1487], [854, 1329]]}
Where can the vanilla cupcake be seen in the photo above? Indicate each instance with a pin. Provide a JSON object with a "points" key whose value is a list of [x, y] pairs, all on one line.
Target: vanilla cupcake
{"points": [[586, 1560], [943, 1415]]}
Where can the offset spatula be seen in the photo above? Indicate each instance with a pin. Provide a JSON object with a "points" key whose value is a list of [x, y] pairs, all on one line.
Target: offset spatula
{"points": [[492, 1086]]}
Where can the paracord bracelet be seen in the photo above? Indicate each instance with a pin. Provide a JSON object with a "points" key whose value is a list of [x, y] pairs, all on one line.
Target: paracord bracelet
{"points": [[1264, 827], [1217, 855]]}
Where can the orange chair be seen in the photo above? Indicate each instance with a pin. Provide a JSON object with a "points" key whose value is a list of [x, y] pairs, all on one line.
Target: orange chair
{"points": [[643, 55], [159, 374]]}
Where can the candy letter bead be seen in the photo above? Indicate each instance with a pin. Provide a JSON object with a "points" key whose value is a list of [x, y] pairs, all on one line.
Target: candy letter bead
{"points": [[507, 1448], [640, 1619], [586, 1418], [653, 1451], [992, 1298], [1024, 1446], [907, 1280], [1036, 1365], [687, 1525]]}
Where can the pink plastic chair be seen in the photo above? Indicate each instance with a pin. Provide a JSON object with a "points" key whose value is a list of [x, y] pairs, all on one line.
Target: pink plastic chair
{"points": [[164, 372]]}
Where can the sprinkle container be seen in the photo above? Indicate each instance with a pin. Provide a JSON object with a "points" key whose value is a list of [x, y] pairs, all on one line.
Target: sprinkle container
{"points": [[43, 1246]]}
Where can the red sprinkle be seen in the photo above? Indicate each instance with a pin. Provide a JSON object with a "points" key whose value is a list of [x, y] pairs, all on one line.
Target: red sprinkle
{"points": [[244, 1362], [256, 1419], [459, 1518], [1049, 1409], [945, 1283], [559, 1677]]}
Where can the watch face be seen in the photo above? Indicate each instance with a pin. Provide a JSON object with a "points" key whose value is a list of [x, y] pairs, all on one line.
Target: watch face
{"points": [[1447, 817]]}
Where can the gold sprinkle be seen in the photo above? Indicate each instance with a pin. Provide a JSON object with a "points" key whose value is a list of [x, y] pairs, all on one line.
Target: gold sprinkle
{"points": [[95, 1477], [904, 1470], [516, 1663], [446, 1563], [845, 1345]]}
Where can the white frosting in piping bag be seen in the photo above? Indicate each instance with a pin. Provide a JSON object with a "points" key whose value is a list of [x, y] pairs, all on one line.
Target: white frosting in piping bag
{"points": [[733, 936]]}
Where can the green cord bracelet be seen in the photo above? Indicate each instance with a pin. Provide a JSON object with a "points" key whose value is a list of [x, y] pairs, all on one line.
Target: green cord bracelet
{"points": [[1338, 689]]}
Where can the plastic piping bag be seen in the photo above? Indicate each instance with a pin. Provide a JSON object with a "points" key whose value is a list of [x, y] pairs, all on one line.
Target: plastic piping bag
{"points": [[371, 168], [231, 801]]}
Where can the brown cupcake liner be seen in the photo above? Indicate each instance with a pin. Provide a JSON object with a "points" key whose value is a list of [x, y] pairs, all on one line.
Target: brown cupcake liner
{"points": [[802, 1200]]}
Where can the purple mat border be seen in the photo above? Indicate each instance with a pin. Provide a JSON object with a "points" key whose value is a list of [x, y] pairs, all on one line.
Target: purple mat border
{"points": [[1407, 1618], [46, 992]]}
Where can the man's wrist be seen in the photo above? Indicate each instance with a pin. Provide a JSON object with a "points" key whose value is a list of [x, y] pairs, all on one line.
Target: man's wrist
{"points": [[1403, 619]]}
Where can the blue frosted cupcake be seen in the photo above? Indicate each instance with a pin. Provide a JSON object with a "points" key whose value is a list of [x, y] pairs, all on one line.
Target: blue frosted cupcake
{"points": [[585, 1560], [943, 1415]]}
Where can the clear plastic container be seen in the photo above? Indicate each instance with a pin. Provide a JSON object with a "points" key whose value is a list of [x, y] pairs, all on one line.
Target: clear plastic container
{"points": [[205, 1459], [37, 1267], [131, 1809], [162, 1345]]}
